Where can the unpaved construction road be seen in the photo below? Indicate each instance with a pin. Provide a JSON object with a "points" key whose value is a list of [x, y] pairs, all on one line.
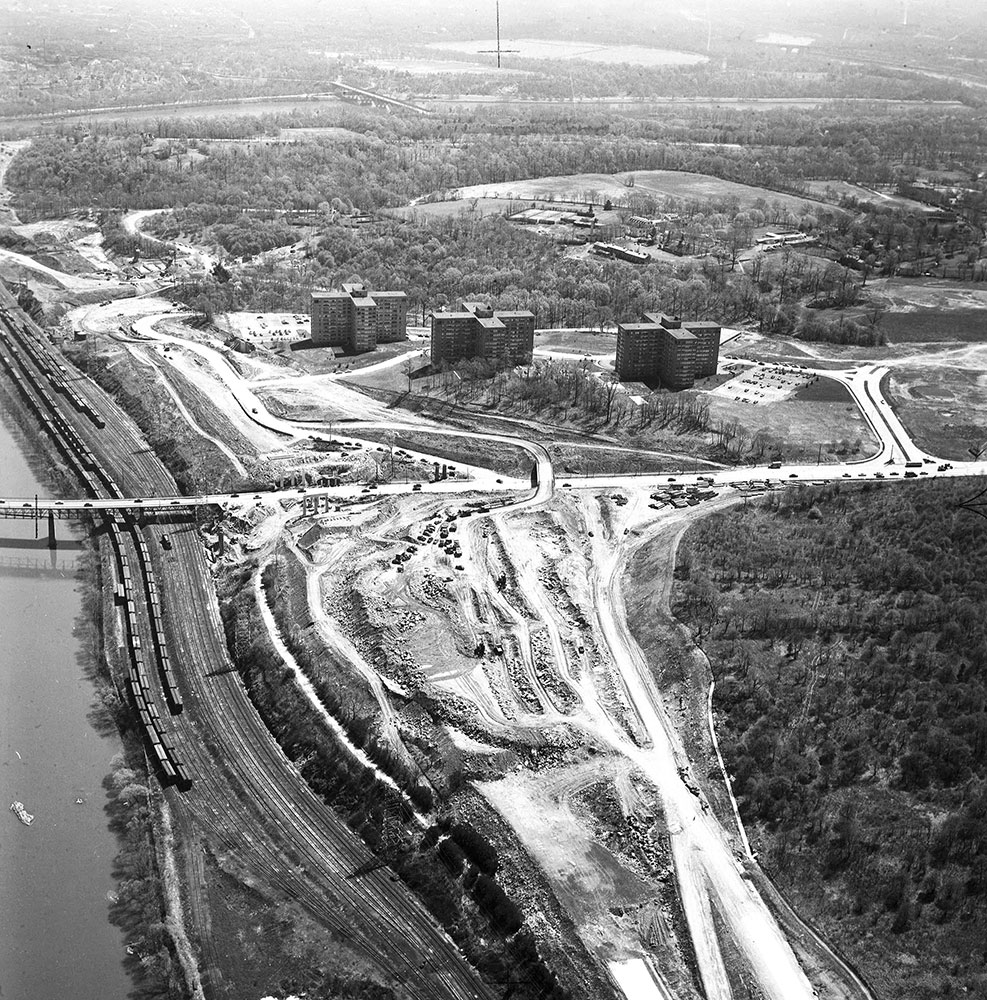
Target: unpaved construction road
{"points": [[576, 668]]}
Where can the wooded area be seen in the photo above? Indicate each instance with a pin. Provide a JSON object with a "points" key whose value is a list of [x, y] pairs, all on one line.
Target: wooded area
{"points": [[240, 197], [846, 634]]}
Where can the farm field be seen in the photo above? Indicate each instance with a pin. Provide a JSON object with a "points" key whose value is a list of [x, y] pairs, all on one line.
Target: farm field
{"points": [[655, 183], [545, 48]]}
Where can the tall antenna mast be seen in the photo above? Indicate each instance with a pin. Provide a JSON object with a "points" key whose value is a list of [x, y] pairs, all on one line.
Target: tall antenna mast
{"points": [[498, 34], [498, 50]]}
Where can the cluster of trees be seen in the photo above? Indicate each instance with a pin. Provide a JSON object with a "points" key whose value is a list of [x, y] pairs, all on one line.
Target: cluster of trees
{"points": [[379, 163], [137, 909], [559, 391], [846, 636], [790, 319], [239, 233], [825, 144], [239, 196]]}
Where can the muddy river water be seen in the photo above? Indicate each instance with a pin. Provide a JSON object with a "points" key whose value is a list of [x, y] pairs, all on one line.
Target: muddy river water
{"points": [[56, 941]]}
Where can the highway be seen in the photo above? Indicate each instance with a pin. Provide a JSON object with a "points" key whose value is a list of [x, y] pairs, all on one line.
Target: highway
{"points": [[296, 844]]}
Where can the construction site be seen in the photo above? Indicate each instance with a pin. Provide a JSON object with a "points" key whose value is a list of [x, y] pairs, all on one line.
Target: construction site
{"points": [[457, 628]]}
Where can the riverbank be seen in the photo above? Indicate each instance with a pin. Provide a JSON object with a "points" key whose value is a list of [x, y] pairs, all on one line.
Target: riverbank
{"points": [[83, 873]]}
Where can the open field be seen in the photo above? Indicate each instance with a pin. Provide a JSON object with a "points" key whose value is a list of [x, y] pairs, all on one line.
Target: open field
{"points": [[446, 209], [576, 341], [425, 67], [545, 48], [904, 294], [944, 409], [677, 184], [803, 425], [924, 325], [823, 190]]}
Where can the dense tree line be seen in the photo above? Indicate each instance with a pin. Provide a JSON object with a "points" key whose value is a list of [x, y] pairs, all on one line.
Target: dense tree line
{"points": [[378, 162], [846, 633]]}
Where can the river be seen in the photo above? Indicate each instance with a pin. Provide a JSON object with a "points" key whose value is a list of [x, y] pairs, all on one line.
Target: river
{"points": [[56, 941]]}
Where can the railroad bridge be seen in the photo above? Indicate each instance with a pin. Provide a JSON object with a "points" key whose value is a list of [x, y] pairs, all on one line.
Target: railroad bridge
{"points": [[54, 510]]}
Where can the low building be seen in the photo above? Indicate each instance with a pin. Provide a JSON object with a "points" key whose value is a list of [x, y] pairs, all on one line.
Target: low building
{"points": [[666, 350], [476, 331], [357, 319]]}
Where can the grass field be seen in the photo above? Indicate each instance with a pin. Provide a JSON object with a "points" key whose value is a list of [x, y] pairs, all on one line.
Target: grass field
{"points": [[676, 184], [576, 341], [803, 425], [446, 209], [903, 294], [824, 390], [322, 360], [821, 190], [932, 324], [546, 48], [425, 67], [944, 409]]}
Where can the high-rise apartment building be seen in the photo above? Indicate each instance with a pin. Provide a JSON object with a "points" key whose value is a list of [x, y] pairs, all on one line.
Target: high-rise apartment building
{"points": [[667, 350], [357, 319], [476, 331]]}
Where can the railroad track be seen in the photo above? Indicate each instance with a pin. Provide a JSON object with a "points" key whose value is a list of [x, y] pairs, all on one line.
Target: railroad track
{"points": [[241, 790]]}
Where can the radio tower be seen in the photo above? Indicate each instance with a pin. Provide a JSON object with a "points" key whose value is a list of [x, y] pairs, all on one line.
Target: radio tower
{"points": [[498, 50]]}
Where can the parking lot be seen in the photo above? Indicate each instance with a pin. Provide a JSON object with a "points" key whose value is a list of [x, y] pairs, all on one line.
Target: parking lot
{"points": [[266, 329], [764, 384]]}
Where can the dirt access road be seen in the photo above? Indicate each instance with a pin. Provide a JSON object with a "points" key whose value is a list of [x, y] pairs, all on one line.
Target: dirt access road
{"points": [[247, 798]]}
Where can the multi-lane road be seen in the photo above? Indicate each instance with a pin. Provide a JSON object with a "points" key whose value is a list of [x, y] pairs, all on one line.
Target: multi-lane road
{"points": [[289, 837]]}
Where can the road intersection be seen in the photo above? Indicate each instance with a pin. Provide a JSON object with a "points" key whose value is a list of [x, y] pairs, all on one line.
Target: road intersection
{"points": [[711, 880]]}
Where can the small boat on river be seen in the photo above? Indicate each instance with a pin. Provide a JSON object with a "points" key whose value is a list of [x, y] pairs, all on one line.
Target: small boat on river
{"points": [[17, 808]]}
